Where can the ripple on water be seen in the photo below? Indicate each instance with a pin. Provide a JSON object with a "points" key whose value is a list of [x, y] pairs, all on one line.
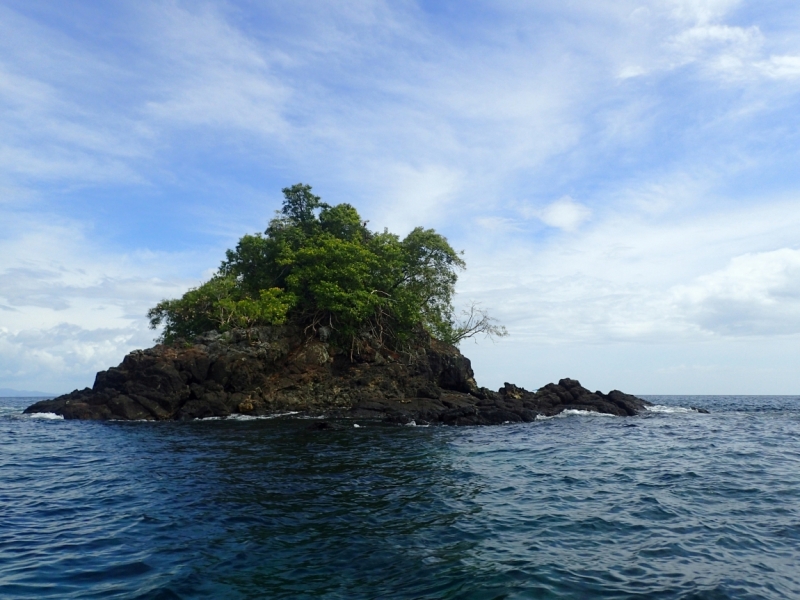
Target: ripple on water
{"points": [[671, 504]]}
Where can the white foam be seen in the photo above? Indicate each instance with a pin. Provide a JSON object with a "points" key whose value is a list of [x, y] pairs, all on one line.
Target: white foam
{"points": [[356, 425], [582, 413], [241, 417], [658, 408], [46, 415], [573, 412]]}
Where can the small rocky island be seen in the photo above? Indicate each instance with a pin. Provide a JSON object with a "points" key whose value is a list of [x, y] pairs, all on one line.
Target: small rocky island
{"points": [[271, 370], [322, 316]]}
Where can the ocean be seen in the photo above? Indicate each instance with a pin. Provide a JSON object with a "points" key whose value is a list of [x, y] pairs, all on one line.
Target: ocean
{"points": [[669, 504]]}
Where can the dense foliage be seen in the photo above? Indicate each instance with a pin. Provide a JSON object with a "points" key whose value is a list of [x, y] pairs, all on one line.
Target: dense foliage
{"points": [[319, 266]]}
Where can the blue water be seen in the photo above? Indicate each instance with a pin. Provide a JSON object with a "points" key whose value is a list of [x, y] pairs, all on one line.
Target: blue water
{"points": [[666, 505]]}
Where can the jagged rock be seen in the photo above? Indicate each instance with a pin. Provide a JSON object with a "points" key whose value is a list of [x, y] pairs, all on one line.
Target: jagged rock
{"points": [[273, 369]]}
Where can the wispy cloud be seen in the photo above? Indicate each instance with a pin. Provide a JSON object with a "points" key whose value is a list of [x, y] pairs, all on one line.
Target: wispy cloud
{"points": [[214, 76], [564, 213], [630, 278], [617, 172]]}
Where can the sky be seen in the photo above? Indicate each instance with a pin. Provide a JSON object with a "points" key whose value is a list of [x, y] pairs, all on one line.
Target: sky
{"points": [[622, 176]]}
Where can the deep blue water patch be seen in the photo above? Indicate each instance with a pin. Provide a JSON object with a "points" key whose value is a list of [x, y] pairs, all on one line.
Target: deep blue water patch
{"points": [[671, 504]]}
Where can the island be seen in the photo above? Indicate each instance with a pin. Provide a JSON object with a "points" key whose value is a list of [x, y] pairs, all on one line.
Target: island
{"points": [[274, 370], [321, 316]]}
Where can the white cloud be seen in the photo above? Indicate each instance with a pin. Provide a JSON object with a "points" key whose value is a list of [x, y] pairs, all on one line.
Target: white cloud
{"points": [[697, 37], [755, 294], [64, 357], [630, 71], [644, 278], [498, 224], [680, 33], [416, 122], [414, 196], [780, 67], [69, 307], [565, 213], [719, 50], [700, 11]]}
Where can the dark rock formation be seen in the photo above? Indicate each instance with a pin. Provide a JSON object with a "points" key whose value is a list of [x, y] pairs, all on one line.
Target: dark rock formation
{"points": [[276, 369]]}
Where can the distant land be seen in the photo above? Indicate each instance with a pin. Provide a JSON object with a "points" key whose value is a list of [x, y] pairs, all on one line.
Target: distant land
{"points": [[11, 393]]}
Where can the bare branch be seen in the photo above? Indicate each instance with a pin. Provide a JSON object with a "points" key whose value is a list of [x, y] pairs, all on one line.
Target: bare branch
{"points": [[476, 321]]}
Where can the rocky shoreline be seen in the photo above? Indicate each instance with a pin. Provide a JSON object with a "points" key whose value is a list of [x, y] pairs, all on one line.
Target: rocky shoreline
{"points": [[269, 370]]}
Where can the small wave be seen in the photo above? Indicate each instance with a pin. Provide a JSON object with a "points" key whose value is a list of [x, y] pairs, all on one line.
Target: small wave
{"points": [[582, 413], [240, 417], [571, 412], [659, 408], [46, 415]]}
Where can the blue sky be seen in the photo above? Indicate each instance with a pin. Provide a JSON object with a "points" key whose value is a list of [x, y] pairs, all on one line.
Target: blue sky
{"points": [[621, 175]]}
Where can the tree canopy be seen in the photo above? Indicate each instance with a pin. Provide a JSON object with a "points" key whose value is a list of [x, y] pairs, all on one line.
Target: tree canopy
{"points": [[320, 266]]}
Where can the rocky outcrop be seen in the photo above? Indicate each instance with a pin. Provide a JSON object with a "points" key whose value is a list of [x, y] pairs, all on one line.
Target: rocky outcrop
{"points": [[276, 369]]}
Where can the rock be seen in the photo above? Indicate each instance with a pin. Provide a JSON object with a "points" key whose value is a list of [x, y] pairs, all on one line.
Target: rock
{"points": [[277, 369], [320, 426]]}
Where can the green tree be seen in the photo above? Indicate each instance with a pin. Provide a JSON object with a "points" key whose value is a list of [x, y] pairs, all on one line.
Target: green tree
{"points": [[318, 265], [219, 304]]}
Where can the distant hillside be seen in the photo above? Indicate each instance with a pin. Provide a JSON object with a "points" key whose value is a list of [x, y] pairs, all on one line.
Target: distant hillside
{"points": [[11, 393]]}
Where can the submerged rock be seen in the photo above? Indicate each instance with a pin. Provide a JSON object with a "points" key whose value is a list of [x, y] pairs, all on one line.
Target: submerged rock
{"points": [[320, 426], [276, 369]]}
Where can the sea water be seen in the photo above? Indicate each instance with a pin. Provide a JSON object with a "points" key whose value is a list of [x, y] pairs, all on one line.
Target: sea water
{"points": [[669, 504]]}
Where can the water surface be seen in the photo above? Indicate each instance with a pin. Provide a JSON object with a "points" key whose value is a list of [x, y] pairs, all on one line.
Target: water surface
{"points": [[671, 504]]}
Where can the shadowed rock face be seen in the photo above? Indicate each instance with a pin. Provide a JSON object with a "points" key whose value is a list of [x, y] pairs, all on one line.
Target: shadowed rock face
{"points": [[275, 369]]}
